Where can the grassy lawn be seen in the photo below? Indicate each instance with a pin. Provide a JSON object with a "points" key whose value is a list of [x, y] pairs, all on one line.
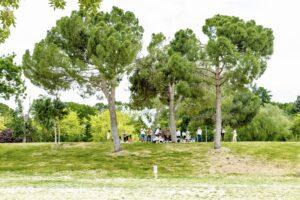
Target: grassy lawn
{"points": [[186, 171]]}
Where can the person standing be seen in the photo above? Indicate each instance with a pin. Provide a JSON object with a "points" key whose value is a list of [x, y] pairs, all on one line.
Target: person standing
{"points": [[149, 134], [234, 136], [223, 134], [188, 136], [108, 135], [142, 135], [199, 135]]}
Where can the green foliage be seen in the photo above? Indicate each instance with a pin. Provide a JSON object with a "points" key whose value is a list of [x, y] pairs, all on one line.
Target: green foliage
{"points": [[83, 111], [263, 94], [296, 127], [268, 125], [10, 77], [47, 67], [297, 104], [242, 109], [101, 125], [7, 18], [20, 123], [288, 108], [165, 65], [48, 112], [240, 49], [7, 8], [71, 128]]}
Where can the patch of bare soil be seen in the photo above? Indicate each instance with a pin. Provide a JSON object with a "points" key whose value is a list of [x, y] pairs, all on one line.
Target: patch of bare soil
{"points": [[224, 162]]}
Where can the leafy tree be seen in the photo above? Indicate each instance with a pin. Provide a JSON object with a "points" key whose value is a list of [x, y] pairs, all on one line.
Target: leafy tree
{"points": [[92, 49], [71, 128], [84, 112], [48, 113], [10, 77], [7, 18], [20, 123], [288, 108], [101, 126], [296, 127], [263, 94], [236, 53], [166, 72], [7, 8], [268, 125], [5, 116], [243, 108], [297, 105]]}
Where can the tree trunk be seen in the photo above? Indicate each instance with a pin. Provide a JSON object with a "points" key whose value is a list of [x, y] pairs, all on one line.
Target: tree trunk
{"points": [[113, 120], [58, 130], [24, 138], [172, 121], [55, 134], [217, 136]]}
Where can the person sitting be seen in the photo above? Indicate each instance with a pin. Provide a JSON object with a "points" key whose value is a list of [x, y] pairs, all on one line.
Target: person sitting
{"points": [[178, 135]]}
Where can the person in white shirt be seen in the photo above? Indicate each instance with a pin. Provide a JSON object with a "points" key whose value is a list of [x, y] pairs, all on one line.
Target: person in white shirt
{"points": [[108, 135], [143, 135], [188, 136], [199, 135], [234, 136], [157, 132]]}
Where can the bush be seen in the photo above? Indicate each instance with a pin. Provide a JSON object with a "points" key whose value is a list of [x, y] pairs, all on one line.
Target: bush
{"points": [[296, 128], [100, 125], [71, 129], [268, 125]]}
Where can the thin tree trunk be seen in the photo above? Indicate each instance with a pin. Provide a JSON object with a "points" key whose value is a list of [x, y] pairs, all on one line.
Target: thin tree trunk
{"points": [[58, 130], [172, 121], [55, 134], [113, 120], [24, 138], [217, 136]]}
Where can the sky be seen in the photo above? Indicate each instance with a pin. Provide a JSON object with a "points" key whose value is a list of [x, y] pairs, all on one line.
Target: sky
{"points": [[282, 76]]}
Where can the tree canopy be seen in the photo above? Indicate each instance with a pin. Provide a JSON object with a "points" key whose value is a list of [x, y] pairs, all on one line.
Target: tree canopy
{"points": [[92, 50], [11, 82], [166, 72], [236, 53]]}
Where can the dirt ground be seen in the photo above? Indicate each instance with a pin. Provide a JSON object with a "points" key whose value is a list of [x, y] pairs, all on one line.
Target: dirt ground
{"points": [[224, 162]]}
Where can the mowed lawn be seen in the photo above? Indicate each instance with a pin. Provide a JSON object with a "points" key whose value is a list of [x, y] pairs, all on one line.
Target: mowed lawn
{"points": [[265, 170]]}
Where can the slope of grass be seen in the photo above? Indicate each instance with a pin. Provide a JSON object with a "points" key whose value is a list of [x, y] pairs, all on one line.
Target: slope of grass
{"points": [[93, 171], [135, 161]]}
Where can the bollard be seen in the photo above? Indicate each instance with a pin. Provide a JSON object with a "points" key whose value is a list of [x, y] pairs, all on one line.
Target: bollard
{"points": [[155, 171]]}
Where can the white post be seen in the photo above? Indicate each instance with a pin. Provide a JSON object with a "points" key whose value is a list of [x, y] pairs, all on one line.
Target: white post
{"points": [[155, 171]]}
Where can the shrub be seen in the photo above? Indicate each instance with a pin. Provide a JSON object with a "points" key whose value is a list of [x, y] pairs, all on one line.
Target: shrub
{"points": [[269, 124]]}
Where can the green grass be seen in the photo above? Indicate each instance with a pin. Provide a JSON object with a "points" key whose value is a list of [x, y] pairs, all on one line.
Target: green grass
{"points": [[277, 152], [92, 170], [135, 161]]}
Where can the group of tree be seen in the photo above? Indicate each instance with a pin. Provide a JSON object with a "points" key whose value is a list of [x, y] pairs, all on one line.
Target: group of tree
{"points": [[185, 81], [51, 120]]}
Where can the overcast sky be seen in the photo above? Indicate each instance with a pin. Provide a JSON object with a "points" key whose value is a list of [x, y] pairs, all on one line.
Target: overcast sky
{"points": [[34, 18]]}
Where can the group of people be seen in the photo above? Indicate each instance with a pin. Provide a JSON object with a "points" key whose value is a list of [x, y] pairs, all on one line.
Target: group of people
{"points": [[159, 136]]}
